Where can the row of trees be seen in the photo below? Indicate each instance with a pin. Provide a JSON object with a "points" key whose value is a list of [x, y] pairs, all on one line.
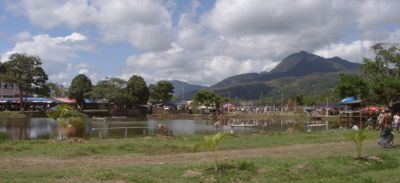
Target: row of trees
{"points": [[26, 73], [380, 82], [120, 92]]}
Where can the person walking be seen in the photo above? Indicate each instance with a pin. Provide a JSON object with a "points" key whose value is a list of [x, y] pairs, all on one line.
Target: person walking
{"points": [[380, 127], [396, 119], [386, 129]]}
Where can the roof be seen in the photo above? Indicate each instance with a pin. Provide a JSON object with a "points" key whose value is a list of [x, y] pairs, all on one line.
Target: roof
{"points": [[350, 100]]}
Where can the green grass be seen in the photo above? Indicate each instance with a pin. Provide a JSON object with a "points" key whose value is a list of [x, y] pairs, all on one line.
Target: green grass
{"points": [[315, 168], [12, 114], [161, 145], [265, 169]]}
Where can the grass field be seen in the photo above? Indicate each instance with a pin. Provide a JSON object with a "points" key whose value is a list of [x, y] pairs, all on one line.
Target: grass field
{"points": [[274, 157]]}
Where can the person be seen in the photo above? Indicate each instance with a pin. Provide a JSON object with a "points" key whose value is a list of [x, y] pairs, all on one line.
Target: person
{"points": [[396, 119], [386, 129], [370, 122], [379, 120]]}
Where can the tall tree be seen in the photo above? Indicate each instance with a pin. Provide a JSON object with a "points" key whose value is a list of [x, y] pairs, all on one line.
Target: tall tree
{"points": [[162, 91], [351, 85], [80, 88], [137, 88], [383, 73], [26, 72]]}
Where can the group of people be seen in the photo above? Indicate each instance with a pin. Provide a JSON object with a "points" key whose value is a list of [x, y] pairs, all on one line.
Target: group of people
{"points": [[386, 124]]}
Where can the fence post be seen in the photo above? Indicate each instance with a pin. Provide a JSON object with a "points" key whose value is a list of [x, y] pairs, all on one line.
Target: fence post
{"points": [[126, 132], [100, 134]]}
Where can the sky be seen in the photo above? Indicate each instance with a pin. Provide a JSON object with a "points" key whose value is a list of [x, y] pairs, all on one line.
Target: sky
{"points": [[200, 42]]}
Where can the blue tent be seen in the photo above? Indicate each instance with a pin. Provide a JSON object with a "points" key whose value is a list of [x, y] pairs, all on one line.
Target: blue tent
{"points": [[350, 100], [42, 100]]}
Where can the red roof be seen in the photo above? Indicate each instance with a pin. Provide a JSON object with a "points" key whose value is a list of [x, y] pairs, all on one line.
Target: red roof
{"points": [[67, 100]]}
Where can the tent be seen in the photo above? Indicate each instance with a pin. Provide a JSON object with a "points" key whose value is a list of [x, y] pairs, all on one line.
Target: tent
{"points": [[8, 100], [67, 100], [350, 100], [372, 108], [228, 105], [41, 100]]}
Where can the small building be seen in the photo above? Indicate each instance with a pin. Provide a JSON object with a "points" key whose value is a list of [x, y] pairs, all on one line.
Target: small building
{"points": [[8, 90]]}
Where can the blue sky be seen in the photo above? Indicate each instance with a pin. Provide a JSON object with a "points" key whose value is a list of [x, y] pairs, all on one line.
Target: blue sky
{"points": [[201, 42]]}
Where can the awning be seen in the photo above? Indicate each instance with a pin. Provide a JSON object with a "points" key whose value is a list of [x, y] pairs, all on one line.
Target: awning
{"points": [[67, 100], [372, 108], [41, 100], [350, 100], [228, 105]]}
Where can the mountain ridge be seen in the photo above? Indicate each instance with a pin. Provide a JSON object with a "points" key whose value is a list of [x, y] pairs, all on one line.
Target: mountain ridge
{"points": [[296, 64]]}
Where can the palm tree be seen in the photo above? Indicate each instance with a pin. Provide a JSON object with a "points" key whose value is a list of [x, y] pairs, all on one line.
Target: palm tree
{"points": [[358, 137], [61, 114], [212, 143]]}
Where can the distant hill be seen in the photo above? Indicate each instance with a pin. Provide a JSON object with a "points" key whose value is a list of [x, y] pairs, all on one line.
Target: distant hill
{"points": [[300, 72], [183, 89]]}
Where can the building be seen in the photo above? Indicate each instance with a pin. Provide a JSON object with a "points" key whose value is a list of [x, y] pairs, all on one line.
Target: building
{"points": [[8, 90]]}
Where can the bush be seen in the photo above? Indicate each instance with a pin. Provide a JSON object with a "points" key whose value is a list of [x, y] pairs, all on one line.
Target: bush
{"points": [[247, 166], [3, 136]]}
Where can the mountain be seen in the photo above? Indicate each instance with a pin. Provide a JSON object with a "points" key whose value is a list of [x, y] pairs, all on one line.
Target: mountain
{"points": [[185, 90], [300, 72]]}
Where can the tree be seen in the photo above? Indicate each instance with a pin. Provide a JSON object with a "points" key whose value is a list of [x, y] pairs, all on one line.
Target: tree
{"points": [[358, 137], [206, 98], [383, 73], [162, 91], [351, 85], [212, 143], [26, 72], [112, 90], [56, 90], [137, 89], [80, 88]]}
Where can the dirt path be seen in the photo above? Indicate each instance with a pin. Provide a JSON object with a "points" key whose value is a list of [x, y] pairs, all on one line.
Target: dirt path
{"points": [[298, 150]]}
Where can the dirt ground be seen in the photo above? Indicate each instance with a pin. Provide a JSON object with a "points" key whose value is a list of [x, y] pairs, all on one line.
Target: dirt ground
{"points": [[297, 150]]}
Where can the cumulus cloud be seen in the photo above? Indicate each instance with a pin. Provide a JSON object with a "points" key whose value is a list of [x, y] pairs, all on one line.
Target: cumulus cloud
{"points": [[56, 53], [356, 50], [229, 38], [144, 24], [353, 51]]}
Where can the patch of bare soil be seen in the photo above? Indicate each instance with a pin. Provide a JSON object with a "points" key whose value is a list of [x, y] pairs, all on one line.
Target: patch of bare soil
{"points": [[297, 150]]}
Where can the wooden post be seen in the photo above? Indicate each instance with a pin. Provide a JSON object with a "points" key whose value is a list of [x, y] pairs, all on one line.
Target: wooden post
{"points": [[100, 134], [327, 124], [144, 131], [126, 133]]}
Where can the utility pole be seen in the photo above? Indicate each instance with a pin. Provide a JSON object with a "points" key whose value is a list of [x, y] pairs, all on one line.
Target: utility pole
{"points": [[183, 93], [281, 100]]}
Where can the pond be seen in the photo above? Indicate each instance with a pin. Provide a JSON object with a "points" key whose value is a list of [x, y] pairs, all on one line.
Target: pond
{"points": [[46, 128]]}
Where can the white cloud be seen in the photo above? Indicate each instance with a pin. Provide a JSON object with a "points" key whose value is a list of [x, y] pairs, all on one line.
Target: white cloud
{"points": [[56, 53], [144, 24], [82, 65], [23, 36], [356, 50], [83, 71], [353, 51], [233, 37]]}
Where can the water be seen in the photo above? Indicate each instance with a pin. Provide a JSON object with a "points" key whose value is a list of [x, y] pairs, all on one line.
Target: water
{"points": [[45, 128]]}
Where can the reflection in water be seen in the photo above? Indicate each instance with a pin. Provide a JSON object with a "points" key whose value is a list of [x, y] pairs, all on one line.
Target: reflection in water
{"points": [[45, 128]]}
